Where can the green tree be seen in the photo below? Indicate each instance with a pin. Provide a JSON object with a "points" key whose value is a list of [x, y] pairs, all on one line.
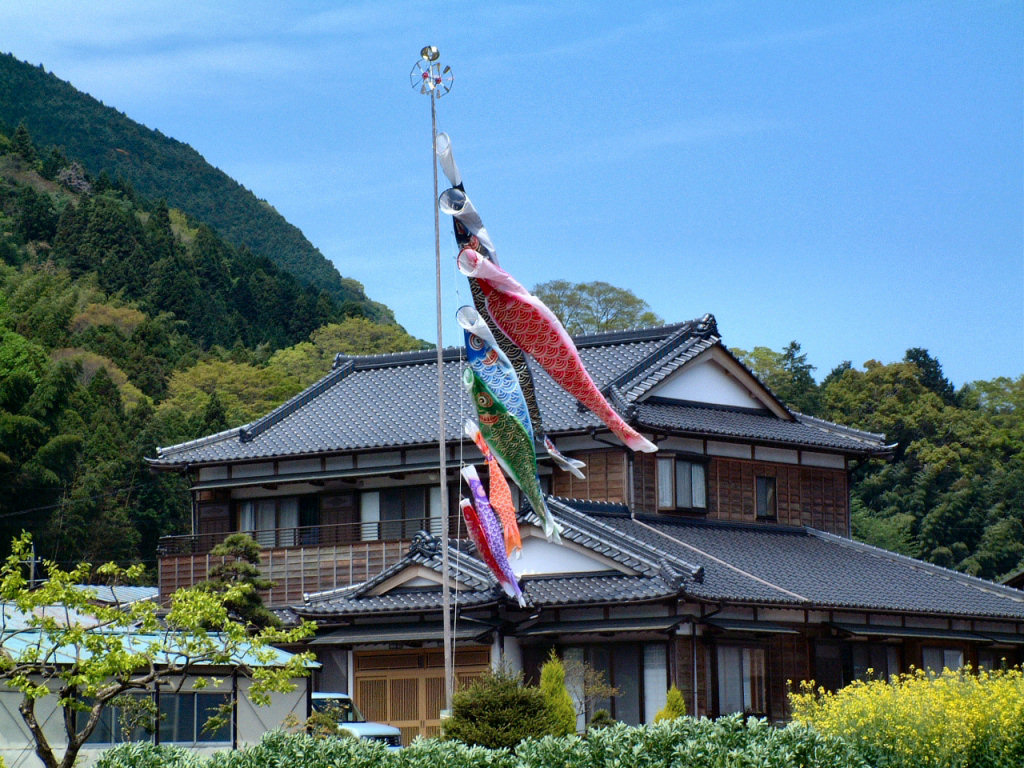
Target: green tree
{"points": [[21, 142], [559, 702], [595, 306], [84, 665], [931, 374], [786, 373]]}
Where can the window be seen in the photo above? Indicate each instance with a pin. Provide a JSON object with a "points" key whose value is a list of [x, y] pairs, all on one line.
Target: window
{"points": [[874, 661], [767, 506], [184, 716], [995, 658], [272, 522], [742, 680], [391, 514], [681, 484], [937, 659], [121, 723]]}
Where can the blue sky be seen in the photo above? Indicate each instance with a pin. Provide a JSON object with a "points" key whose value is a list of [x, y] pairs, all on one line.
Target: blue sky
{"points": [[846, 174]]}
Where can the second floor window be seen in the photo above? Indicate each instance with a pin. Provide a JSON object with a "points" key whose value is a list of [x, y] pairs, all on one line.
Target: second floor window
{"points": [[399, 513], [681, 484], [272, 522], [767, 503]]}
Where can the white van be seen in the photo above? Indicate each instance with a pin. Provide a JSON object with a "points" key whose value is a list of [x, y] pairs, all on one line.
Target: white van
{"points": [[351, 721]]}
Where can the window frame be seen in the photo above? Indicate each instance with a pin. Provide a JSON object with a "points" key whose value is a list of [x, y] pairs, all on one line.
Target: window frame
{"points": [[771, 494], [200, 739], [281, 536], [691, 460], [765, 687]]}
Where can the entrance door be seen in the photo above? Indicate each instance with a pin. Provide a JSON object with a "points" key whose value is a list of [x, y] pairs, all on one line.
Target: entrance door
{"points": [[406, 688]]}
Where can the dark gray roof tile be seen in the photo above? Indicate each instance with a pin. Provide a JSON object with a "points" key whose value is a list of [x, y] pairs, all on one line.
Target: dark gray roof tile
{"points": [[388, 401]]}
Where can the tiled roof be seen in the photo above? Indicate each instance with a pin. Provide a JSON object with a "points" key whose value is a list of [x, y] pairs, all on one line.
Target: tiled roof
{"points": [[701, 560], [806, 431], [386, 401], [803, 567]]}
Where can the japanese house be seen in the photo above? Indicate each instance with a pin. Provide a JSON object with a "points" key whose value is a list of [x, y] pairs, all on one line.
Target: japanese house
{"points": [[722, 564]]}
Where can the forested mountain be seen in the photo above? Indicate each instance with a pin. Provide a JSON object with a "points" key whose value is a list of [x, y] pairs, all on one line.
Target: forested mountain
{"points": [[954, 492], [106, 141], [125, 324]]}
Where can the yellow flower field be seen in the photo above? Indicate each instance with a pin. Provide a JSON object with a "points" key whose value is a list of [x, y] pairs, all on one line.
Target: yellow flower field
{"points": [[925, 720]]}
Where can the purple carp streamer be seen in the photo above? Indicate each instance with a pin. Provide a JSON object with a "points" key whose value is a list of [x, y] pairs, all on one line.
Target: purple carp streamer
{"points": [[534, 328], [500, 494], [493, 538]]}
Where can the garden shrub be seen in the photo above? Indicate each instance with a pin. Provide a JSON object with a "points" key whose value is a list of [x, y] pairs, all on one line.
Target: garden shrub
{"points": [[559, 702], [290, 750], [498, 710], [146, 755], [925, 720], [675, 706], [729, 742]]}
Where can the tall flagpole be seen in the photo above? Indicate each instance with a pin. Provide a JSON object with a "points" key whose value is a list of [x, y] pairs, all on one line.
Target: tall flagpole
{"points": [[428, 76]]}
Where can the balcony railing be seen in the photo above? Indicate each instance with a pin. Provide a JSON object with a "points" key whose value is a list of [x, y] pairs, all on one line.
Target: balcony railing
{"points": [[299, 560], [305, 535]]}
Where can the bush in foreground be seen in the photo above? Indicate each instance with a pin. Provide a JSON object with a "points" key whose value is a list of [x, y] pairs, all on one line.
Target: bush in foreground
{"points": [[922, 720], [730, 742], [498, 710]]}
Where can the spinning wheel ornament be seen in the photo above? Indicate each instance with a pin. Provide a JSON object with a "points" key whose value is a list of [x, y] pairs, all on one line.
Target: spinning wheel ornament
{"points": [[427, 75]]}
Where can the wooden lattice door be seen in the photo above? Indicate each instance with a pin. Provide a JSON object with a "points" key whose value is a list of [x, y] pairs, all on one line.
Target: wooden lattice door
{"points": [[406, 688]]}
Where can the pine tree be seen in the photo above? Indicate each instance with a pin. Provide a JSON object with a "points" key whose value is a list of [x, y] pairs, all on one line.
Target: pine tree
{"points": [[239, 568]]}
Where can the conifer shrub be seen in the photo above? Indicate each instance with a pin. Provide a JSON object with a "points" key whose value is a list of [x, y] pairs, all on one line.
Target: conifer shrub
{"points": [[925, 720], [675, 706], [559, 702], [498, 710]]}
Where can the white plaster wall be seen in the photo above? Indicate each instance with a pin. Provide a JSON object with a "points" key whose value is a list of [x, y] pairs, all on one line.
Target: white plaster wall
{"points": [[542, 557], [212, 473], [254, 721], [706, 382], [830, 460]]}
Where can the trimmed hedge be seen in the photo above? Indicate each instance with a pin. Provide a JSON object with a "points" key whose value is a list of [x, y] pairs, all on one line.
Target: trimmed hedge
{"points": [[729, 742]]}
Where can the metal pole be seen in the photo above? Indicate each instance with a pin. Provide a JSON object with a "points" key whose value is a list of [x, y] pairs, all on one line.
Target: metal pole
{"points": [[446, 625], [428, 77]]}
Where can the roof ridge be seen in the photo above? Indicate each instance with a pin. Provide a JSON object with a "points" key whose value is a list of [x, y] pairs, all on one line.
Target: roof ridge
{"points": [[949, 573], [199, 442], [853, 432], [692, 331], [646, 333]]}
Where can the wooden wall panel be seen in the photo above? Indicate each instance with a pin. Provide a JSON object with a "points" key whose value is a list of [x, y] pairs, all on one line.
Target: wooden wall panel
{"points": [[406, 688], [805, 495], [645, 483], [787, 660], [605, 478]]}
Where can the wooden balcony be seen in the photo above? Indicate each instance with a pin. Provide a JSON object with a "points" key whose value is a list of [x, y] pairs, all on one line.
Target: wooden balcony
{"points": [[298, 560]]}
